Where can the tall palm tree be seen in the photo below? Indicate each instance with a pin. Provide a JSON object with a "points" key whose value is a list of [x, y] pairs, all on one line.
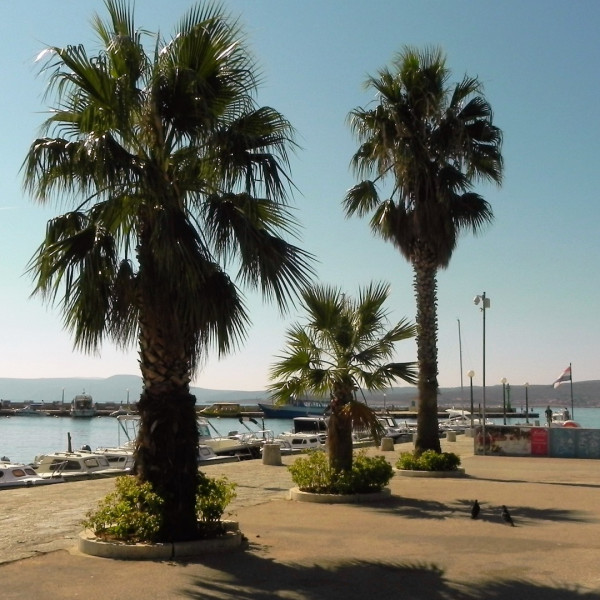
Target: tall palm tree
{"points": [[173, 175], [432, 141], [344, 346]]}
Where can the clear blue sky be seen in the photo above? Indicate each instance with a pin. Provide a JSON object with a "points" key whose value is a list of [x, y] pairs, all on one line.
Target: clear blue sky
{"points": [[539, 262]]}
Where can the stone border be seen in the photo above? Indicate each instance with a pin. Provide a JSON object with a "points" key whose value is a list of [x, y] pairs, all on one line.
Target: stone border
{"points": [[231, 540], [298, 496], [460, 472]]}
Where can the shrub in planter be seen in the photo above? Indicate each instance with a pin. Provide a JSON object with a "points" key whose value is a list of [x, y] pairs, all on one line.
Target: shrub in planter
{"points": [[314, 474], [429, 461], [133, 512], [214, 495]]}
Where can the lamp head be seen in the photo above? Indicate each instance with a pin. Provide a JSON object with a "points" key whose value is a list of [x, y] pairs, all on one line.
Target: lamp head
{"points": [[470, 374]]}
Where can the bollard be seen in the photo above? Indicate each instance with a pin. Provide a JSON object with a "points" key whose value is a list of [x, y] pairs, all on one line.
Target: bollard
{"points": [[271, 454], [387, 444], [451, 436], [414, 437]]}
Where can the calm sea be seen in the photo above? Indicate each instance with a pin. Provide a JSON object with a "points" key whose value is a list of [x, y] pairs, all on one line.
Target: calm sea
{"points": [[22, 438]]}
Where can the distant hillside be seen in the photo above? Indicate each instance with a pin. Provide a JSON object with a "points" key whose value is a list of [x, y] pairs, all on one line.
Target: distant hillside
{"points": [[116, 389], [111, 389]]}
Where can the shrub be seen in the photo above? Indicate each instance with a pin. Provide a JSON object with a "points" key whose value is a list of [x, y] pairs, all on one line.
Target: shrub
{"points": [[314, 474], [214, 495], [133, 512], [430, 460]]}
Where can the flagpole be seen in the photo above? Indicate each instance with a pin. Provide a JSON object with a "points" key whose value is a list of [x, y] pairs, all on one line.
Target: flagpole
{"points": [[572, 408]]}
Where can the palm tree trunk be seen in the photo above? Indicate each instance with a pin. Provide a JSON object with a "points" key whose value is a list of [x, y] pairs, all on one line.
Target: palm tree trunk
{"points": [[167, 445], [425, 285], [339, 433]]}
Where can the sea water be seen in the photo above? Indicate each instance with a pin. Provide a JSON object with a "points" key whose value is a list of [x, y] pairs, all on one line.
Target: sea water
{"points": [[23, 438]]}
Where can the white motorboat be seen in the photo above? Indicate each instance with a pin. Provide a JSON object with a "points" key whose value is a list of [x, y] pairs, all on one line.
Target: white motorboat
{"points": [[308, 433], [291, 442], [128, 425], [399, 433], [34, 409], [82, 406], [245, 445], [73, 466], [17, 475], [459, 420]]}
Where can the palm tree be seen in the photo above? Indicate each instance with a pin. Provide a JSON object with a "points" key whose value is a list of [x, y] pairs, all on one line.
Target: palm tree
{"points": [[432, 141], [174, 174], [343, 346]]}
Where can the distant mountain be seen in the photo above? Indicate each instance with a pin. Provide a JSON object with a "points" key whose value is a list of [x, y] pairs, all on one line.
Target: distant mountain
{"points": [[112, 389], [117, 388]]}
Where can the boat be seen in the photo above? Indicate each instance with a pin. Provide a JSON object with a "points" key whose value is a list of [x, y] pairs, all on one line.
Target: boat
{"points": [[308, 433], [82, 406], [245, 445], [17, 475], [207, 456], [399, 433], [75, 466], [128, 426], [229, 410], [31, 410], [563, 419], [291, 443], [460, 420], [294, 407]]}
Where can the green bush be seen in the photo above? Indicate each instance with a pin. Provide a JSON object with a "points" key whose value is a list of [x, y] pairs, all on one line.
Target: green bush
{"points": [[430, 460], [314, 474], [214, 495], [133, 512]]}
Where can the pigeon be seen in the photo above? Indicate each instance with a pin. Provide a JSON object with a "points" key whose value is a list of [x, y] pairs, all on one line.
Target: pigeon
{"points": [[506, 516], [475, 510]]}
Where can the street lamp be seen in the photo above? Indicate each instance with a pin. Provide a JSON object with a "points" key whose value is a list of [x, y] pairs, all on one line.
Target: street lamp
{"points": [[485, 303], [526, 402], [470, 375], [503, 382]]}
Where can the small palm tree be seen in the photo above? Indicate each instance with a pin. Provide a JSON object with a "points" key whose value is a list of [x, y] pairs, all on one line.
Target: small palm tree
{"points": [[344, 346], [172, 174], [432, 141]]}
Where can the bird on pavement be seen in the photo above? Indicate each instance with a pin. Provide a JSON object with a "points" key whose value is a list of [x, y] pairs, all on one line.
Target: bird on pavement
{"points": [[506, 516], [475, 510]]}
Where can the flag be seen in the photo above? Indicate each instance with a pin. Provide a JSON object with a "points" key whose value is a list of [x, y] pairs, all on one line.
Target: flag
{"points": [[565, 376]]}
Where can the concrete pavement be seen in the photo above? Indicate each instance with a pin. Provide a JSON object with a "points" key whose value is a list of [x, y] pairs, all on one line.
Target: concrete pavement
{"points": [[420, 544]]}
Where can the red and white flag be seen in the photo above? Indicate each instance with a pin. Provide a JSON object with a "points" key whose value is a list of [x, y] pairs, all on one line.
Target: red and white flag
{"points": [[565, 376]]}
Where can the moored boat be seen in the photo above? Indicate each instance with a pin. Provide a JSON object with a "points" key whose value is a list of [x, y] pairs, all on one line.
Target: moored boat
{"points": [[82, 406], [294, 407], [35, 409], [73, 466], [17, 475]]}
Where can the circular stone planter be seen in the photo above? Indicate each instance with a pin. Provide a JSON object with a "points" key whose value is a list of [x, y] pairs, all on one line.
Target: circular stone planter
{"points": [[230, 540], [298, 496], [460, 472]]}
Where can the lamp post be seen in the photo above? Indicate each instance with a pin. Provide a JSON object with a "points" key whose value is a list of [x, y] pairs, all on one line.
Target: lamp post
{"points": [[470, 375], [526, 402], [485, 303], [503, 382]]}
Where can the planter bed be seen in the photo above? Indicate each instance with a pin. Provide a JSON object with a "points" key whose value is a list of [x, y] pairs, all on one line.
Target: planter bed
{"points": [[230, 540], [298, 496], [460, 472]]}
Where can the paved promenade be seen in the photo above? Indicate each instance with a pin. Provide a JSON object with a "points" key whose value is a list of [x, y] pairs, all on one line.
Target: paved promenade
{"points": [[420, 544]]}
